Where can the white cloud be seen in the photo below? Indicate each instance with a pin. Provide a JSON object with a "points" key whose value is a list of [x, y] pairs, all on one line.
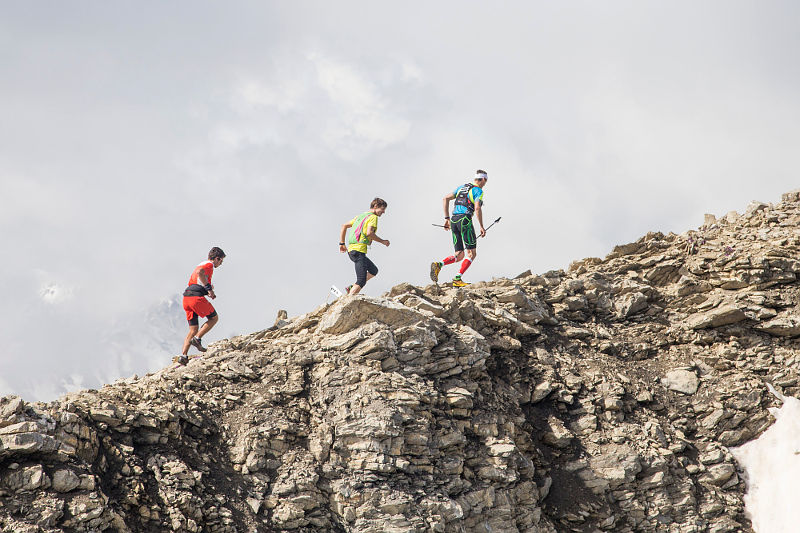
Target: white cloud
{"points": [[29, 199], [284, 95], [75, 382], [316, 104], [5, 388], [412, 73], [362, 120]]}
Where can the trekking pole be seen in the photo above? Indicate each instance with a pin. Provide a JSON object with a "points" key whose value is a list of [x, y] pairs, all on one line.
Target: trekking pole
{"points": [[493, 223], [438, 225]]}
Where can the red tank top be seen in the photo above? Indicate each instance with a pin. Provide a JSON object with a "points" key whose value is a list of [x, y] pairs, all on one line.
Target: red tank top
{"points": [[207, 267]]}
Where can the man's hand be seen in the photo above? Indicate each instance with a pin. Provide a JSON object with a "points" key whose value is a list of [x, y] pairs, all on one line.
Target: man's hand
{"points": [[342, 248], [447, 224], [483, 232], [385, 242], [211, 294]]}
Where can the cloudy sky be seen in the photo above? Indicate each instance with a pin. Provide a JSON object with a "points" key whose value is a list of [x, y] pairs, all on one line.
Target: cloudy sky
{"points": [[136, 135]]}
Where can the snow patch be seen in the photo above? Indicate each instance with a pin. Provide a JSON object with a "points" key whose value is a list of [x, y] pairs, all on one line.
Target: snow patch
{"points": [[53, 293], [772, 466]]}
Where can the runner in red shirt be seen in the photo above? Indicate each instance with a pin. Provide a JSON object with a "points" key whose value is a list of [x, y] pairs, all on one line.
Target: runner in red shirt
{"points": [[196, 305]]}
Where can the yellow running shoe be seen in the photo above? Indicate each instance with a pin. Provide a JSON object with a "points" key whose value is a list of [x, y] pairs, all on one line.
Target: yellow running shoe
{"points": [[436, 267], [458, 282]]}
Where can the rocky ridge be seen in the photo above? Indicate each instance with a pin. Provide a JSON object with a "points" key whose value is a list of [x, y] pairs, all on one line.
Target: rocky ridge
{"points": [[601, 398]]}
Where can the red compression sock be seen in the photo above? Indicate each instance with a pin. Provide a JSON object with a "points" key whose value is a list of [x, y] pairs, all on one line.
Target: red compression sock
{"points": [[449, 260], [465, 265]]}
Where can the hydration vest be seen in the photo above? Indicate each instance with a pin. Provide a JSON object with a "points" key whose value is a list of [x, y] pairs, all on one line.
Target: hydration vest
{"points": [[356, 234], [462, 198]]}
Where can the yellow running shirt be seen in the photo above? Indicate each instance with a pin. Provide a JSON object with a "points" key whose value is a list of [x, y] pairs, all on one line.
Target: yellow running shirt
{"points": [[363, 242]]}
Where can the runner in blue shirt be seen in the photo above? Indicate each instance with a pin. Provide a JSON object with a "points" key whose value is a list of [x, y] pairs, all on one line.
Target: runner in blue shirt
{"points": [[468, 200]]}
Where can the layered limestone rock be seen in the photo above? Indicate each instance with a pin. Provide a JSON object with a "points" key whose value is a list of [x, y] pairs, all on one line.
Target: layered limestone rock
{"points": [[601, 398]]}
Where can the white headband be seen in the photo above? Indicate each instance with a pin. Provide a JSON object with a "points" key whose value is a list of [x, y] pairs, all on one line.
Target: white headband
{"points": [[481, 175]]}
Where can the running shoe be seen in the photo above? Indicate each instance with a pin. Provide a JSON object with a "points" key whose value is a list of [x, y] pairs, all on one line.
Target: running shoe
{"points": [[197, 343], [180, 359], [436, 267], [458, 282], [347, 289]]}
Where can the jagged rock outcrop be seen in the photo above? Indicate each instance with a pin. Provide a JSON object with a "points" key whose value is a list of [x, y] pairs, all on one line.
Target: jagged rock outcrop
{"points": [[601, 398]]}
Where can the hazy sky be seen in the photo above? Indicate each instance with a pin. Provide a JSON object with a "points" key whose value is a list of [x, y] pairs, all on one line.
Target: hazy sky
{"points": [[136, 135]]}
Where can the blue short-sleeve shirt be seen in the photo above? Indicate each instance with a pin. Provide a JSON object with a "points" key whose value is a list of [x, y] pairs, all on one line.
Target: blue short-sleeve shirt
{"points": [[475, 195]]}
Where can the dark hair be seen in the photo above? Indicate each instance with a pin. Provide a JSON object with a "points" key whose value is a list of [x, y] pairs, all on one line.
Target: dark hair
{"points": [[377, 202], [485, 174], [215, 253]]}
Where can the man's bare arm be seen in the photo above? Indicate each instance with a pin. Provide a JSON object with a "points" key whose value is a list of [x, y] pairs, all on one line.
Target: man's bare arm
{"points": [[342, 247], [371, 235], [479, 215]]}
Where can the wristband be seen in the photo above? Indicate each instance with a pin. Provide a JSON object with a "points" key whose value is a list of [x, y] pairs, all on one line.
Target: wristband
{"points": [[341, 244], [447, 218], [208, 287]]}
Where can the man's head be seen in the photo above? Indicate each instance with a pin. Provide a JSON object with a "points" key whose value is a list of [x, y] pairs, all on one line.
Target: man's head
{"points": [[481, 177], [216, 256], [378, 206]]}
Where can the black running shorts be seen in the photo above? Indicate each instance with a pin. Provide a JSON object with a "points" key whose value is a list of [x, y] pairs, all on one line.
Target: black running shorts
{"points": [[463, 233], [363, 265]]}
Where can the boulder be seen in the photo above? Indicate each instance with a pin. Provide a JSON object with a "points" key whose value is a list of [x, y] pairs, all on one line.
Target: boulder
{"points": [[782, 326], [717, 317], [681, 380]]}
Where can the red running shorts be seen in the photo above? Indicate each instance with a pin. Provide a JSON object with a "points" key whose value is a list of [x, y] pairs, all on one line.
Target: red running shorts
{"points": [[196, 306]]}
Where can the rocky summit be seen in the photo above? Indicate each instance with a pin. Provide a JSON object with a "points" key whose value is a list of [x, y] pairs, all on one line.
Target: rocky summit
{"points": [[600, 398]]}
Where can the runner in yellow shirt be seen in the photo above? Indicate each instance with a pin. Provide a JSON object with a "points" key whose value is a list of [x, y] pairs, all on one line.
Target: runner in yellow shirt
{"points": [[360, 233]]}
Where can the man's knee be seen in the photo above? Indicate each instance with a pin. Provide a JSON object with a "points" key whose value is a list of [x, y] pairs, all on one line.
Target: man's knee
{"points": [[459, 255], [213, 320], [472, 254]]}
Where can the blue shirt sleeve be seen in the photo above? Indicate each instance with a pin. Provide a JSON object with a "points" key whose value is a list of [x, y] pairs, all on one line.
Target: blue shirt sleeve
{"points": [[476, 195]]}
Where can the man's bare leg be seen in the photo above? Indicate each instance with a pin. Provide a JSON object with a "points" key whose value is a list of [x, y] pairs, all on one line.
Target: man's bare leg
{"points": [[188, 341], [210, 323], [356, 288]]}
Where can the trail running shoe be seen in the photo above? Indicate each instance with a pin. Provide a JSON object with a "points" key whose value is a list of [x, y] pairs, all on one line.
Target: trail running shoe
{"points": [[347, 289], [458, 282], [180, 359], [436, 267], [197, 343]]}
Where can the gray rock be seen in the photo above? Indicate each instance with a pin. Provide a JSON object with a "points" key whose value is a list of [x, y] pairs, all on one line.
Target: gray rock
{"points": [[65, 480], [616, 464], [720, 316], [681, 380], [630, 304], [26, 479], [785, 326]]}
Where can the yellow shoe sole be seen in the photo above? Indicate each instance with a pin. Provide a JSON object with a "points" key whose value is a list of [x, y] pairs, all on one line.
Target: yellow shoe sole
{"points": [[435, 269]]}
